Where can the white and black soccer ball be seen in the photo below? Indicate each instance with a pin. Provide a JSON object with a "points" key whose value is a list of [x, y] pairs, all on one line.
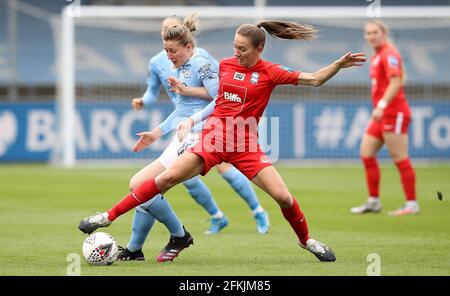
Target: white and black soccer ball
{"points": [[100, 248]]}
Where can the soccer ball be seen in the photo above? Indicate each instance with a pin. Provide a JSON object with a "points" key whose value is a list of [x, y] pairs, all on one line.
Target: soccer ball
{"points": [[100, 248]]}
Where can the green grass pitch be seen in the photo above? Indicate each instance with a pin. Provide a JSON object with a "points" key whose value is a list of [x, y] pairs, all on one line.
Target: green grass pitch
{"points": [[40, 208]]}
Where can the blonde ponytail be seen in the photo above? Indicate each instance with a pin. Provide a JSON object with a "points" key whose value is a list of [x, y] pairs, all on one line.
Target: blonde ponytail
{"points": [[191, 22], [183, 33]]}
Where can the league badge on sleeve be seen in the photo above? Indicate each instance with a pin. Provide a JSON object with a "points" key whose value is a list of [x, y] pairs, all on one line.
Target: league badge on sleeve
{"points": [[393, 61], [286, 69], [206, 70]]}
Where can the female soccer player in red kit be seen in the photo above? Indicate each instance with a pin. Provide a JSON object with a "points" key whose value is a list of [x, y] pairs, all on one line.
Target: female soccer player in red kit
{"points": [[246, 82], [390, 120]]}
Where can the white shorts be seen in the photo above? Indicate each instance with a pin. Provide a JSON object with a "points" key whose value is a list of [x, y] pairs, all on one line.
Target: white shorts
{"points": [[172, 152], [176, 148]]}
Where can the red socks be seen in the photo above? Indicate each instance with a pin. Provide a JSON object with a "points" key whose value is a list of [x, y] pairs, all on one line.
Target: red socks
{"points": [[407, 174], [297, 219], [141, 194], [372, 176], [408, 178]]}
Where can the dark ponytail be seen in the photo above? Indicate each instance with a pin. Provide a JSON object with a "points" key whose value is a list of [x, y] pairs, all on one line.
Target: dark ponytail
{"points": [[276, 29], [289, 30]]}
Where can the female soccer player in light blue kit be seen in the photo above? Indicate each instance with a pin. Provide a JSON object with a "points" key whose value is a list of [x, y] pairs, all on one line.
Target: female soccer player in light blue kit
{"points": [[199, 72]]}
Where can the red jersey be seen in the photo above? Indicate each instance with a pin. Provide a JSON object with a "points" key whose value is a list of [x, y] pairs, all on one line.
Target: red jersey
{"points": [[245, 92], [242, 98], [385, 64]]}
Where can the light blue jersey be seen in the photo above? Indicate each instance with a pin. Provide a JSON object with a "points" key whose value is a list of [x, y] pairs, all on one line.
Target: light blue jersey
{"points": [[198, 71]]}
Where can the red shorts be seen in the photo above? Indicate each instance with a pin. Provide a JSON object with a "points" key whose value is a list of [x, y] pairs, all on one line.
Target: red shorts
{"points": [[397, 124], [249, 163]]}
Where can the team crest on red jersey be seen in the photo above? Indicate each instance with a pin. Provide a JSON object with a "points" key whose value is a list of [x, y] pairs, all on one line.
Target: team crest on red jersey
{"points": [[254, 78]]}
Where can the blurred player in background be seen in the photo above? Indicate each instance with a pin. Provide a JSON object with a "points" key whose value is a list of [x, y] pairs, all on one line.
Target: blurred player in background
{"points": [[160, 69], [390, 121], [246, 83]]}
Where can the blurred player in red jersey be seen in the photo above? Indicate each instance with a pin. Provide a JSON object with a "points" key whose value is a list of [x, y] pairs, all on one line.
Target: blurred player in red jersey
{"points": [[390, 120], [246, 82]]}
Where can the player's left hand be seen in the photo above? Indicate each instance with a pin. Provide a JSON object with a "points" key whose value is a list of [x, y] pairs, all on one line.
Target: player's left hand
{"points": [[377, 113], [175, 85], [351, 60]]}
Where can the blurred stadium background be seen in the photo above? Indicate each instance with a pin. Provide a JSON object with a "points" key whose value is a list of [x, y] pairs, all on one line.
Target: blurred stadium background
{"points": [[317, 126], [111, 57]]}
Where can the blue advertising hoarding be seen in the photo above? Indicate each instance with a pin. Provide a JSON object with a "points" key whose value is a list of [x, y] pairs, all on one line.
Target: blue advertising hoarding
{"points": [[291, 130]]}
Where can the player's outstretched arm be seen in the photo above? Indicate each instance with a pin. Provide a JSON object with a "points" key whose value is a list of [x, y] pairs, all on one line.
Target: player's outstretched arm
{"points": [[189, 91], [323, 75], [146, 139]]}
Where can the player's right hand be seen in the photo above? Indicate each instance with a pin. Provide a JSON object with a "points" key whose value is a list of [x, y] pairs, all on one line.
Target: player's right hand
{"points": [[146, 139], [175, 85], [137, 103], [377, 113]]}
